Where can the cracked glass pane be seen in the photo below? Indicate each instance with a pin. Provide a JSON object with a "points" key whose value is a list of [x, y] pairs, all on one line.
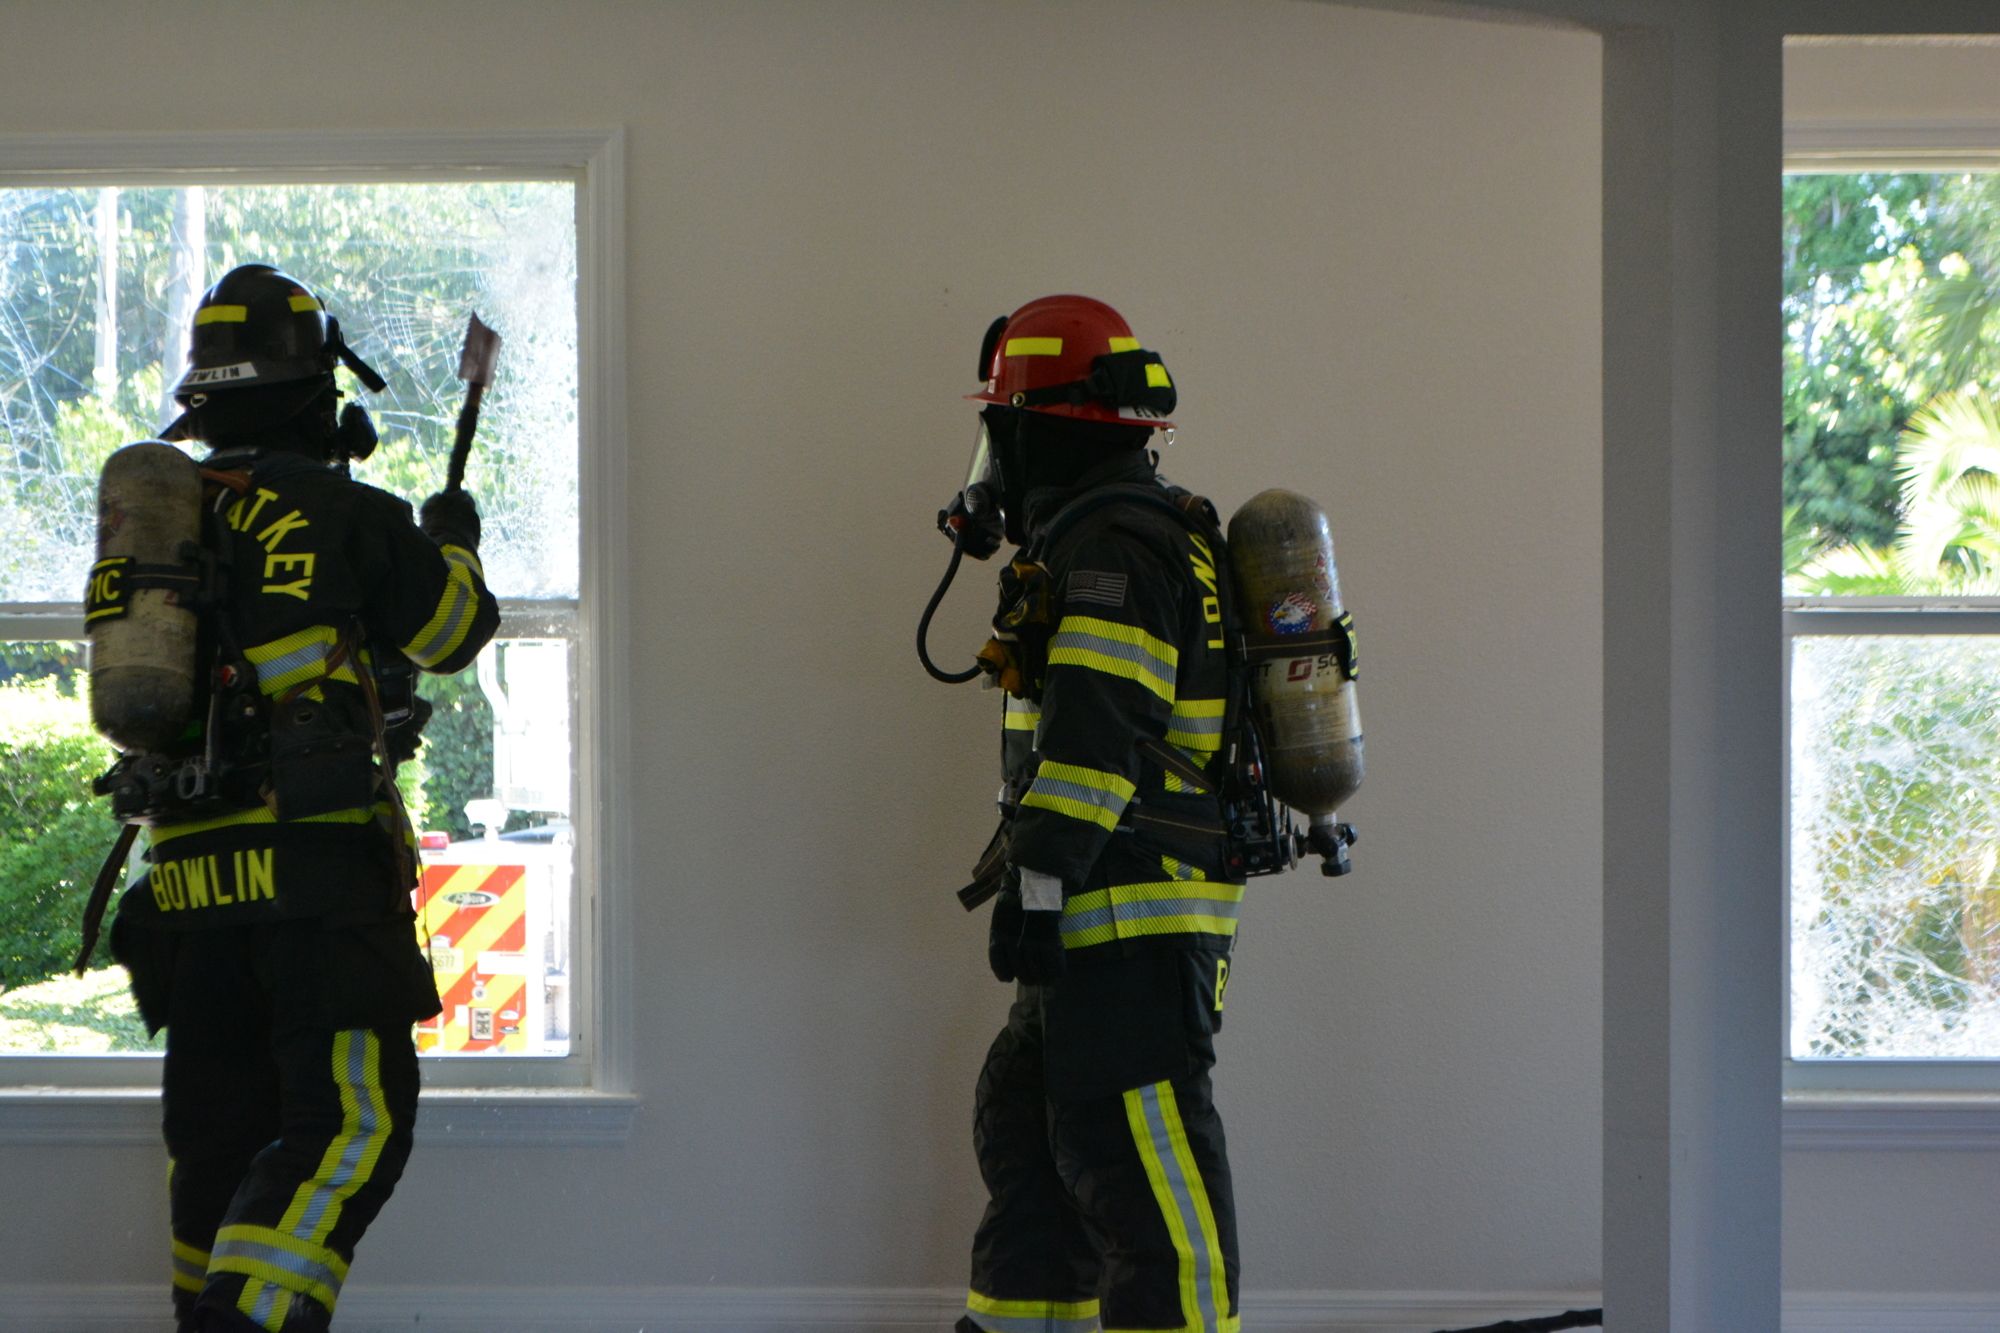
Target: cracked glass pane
{"points": [[1895, 853], [98, 288]]}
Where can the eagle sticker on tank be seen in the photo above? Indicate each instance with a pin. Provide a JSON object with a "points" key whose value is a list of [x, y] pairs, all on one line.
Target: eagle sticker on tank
{"points": [[1292, 614]]}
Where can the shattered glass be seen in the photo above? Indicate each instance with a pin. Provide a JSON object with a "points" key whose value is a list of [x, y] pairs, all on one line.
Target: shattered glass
{"points": [[97, 287], [1895, 853]]}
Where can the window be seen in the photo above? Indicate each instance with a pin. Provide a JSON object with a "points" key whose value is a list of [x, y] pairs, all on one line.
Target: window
{"points": [[100, 268], [1892, 616]]}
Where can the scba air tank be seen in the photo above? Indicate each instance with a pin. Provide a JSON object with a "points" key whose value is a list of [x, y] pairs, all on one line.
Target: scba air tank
{"points": [[142, 639], [1301, 644]]}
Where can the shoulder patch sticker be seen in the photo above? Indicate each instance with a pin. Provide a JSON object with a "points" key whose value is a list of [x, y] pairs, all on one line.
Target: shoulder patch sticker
{"points": [[1093, 585]]}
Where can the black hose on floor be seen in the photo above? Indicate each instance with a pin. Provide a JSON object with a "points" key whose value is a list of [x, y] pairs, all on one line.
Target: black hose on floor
{"points": [[1567, 1319]]}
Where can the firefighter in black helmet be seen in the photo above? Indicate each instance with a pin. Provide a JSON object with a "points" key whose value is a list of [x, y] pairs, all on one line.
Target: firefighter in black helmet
{"points": [[1096, 1131], [272, 935]]}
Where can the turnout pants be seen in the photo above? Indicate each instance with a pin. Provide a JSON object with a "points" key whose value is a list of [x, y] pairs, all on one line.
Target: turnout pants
{"points": [[1108, 1208], [286, 1135]]}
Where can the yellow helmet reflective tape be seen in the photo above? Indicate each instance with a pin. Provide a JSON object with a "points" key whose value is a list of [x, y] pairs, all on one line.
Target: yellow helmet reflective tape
{"points": [[1034, 347], [222, 314], [304, 302], [1156, 376], [1124, 344]]}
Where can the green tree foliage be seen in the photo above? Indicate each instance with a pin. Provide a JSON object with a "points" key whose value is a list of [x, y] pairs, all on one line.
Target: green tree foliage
{"points": [[458, 751], [1848, 389], [53, 833], [1892, 473]]}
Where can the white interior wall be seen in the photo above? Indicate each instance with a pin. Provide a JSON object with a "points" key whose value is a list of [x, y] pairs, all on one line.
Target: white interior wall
{"points": [[1898, 1221], [1367, 245]]}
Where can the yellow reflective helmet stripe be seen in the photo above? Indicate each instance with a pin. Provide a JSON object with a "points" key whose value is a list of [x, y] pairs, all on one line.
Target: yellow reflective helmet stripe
{"points": [[1034, 347], [1124, 344], [303, 302], [1156, 376], [222, 314]]}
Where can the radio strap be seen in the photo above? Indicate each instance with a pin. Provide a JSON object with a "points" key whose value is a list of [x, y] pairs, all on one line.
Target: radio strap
{"points": [[100, 894]]}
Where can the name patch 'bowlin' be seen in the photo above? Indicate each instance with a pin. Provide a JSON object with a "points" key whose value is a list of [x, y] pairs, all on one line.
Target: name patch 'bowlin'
{"points": [[242, 370], [218, 879], [1095, 585], [107, 597]]}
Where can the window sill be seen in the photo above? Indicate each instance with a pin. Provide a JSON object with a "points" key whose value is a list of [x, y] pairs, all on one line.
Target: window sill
{"points": [[1829, 1120], [117, 1117]]}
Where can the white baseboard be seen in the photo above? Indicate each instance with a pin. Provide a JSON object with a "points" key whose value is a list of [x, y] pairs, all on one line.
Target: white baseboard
{"points": [[1891, 1312], [129, 1308], [503, 1309]]}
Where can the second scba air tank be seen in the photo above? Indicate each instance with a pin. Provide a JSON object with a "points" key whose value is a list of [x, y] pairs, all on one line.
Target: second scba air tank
{"points": [[1301, 648], [142, 634]]}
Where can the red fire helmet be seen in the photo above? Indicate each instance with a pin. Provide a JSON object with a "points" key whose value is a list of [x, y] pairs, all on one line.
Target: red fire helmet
{"points": [[1070, 356]]}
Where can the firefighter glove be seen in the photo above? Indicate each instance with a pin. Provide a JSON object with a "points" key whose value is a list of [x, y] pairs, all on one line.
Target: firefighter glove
{"points": [[1038, 955], [450, 518], [1003, 933]]}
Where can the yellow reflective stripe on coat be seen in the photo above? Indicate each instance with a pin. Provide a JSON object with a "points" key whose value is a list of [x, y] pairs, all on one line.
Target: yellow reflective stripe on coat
{"points": [[1116, 650], [1154, 1115], [261, 814], [1164, 907], [1021, 715], [997, 1316], [190, 1266], [1089, 794], [1197, 724], [298, 658], [446, 630]]}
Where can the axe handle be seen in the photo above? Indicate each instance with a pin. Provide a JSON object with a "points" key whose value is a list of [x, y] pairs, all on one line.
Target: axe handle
{"points": [[461, 445]]}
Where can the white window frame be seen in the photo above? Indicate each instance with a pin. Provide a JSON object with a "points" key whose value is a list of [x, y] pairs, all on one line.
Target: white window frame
{"points": [[585, 1097], [1873, 1103]]}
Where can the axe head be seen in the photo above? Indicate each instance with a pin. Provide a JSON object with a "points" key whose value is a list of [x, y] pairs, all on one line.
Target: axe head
{"points": [[481, 350]]}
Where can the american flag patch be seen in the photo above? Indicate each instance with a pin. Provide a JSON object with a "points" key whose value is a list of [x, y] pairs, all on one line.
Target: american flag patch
{"points": [[1095, 585]]}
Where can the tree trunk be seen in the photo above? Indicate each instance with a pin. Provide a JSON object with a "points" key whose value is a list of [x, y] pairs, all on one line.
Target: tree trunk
{"points": [[105, 375], [186, 279]]}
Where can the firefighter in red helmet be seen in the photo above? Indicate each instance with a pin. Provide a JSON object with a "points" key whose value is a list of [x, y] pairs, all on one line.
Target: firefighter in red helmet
{"points": [[1114, 905]]}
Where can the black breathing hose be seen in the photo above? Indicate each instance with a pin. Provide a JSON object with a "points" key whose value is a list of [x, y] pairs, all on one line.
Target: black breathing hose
{"points": [[924, 625]]}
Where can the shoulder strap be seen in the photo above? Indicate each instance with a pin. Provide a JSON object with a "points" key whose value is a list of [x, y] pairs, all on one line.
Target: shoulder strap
{"points": [[100, 894]]}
